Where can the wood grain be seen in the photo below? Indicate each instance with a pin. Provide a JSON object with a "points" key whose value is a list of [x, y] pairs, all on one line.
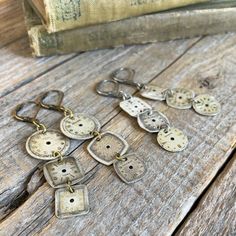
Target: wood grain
{"points": [[215, 213], [83, 72], [157, 204]]}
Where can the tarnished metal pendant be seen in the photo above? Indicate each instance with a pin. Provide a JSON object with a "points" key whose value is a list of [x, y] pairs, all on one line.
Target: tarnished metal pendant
{"points": [[172, 139], [71, 203], [130, 168], [180, 98], [134, 106], [59, 172], [153, 92], [80, 126], [41, 145], [152, 121], [206, 105], [106, 146]]}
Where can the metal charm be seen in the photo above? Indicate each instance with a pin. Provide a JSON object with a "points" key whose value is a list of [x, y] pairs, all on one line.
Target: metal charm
{"points": [[152, 121], [180, 98], [172, 139], [41, 145], [206, 105], [134, 106], [153, 92], [72, 202], [59, 172], [106, 146], [79, 126], [130, 168]]}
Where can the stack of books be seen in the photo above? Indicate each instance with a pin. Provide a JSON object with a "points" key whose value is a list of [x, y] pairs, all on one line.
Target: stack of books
{"points": [[66, 26]]}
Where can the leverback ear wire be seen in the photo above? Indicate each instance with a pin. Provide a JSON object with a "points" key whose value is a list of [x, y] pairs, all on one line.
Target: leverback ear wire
{"points": [[29, 119], [56, 107], [114, 92]]}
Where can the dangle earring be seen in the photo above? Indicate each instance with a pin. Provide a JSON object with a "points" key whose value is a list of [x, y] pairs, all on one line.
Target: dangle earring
{"points": [[179, 98], [61, 172], [153, 121], [107, 147]]}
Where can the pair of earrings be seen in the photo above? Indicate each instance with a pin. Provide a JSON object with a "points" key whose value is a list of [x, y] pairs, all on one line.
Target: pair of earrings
{"points": [[63, 172], [153, 121]]}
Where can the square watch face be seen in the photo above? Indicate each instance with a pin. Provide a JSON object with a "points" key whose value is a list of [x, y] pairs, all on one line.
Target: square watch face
{"points": [[134, 106], [105, 149], [59, 172], [70, 204]]}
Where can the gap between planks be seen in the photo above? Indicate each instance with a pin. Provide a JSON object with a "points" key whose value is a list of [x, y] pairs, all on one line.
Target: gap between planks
{"points": [[216, 178]]}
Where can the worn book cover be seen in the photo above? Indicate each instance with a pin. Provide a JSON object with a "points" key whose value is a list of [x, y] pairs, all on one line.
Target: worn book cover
{"points": [[58, 15], [168, 25]]}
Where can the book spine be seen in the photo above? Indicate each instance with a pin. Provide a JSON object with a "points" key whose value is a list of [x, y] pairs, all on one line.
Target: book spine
{"points": [[63, 15], [141, 30]]}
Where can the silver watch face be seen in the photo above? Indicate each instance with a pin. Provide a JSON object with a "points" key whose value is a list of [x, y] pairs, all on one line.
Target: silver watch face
{"points": [[172, 139], [131, 169], [134, 106], [42, 145], [59, 172], [152, 121], [153, 92], [70, 204], [105, 148], [180, 98], [206, 105], [80, 126]]}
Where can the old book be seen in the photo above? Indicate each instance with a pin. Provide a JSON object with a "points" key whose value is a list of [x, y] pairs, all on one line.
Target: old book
{"points": [[58, 15], [139, 30]]}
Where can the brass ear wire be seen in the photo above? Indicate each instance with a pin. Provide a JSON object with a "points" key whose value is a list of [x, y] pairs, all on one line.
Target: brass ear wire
{"points": [[33, 120], [57, 107]]}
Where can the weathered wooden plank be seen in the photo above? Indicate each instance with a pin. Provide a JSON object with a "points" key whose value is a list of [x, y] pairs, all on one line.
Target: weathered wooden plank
{"points": [[11, 21], [18, 67], [82, 72], [157, 204], [215, 213]]}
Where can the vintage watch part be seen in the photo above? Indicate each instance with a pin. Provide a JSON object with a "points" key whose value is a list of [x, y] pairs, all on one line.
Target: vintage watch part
{"points": [[180, 98], [59, 172], [134, 106], [206, 105], [69, 204], [153, 92], [80, 126], [130, 169], [172, 139], [106, 146], [41, 145], [152, 121]]}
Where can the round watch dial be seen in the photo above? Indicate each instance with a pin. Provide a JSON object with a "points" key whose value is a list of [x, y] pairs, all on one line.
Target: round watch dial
{"points": [[180, 98], [80, 126], [172, 139], [207, 105], [152, 121], [42, 145]]}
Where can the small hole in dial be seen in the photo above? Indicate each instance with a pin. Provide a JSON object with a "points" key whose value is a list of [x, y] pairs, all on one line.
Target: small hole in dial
{"points": [[63, 170], [131, 167], [48, 142], [172, 138], [153, 120], [180, 97], [72, 200], [108, 146], [80, 125], [207, 105]]}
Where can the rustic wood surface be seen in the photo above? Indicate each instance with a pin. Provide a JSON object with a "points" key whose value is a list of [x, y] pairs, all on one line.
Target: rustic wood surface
{"points": [[181, 193], [214, 215]]}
